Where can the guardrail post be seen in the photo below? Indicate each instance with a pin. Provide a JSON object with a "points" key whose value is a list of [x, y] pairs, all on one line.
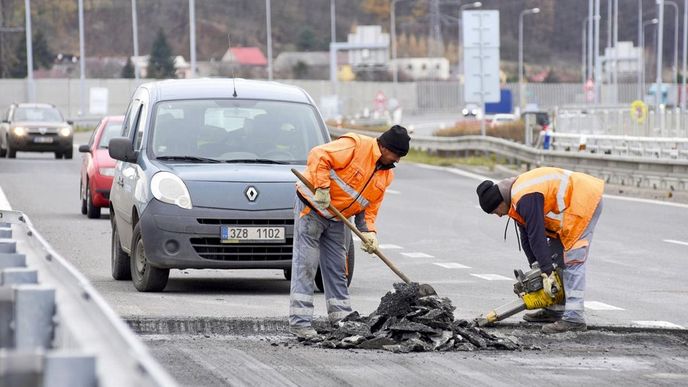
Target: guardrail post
{"points": [[6, 317], [69, 369], [18, 276], [34, 308], [20, 369]]}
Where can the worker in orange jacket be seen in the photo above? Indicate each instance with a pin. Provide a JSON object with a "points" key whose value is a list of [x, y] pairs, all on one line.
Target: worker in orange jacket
{"points": [[556, 211], [351, 173]]}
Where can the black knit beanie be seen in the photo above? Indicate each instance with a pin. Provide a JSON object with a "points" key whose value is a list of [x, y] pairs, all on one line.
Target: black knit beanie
{"points": [[396, 139], [489, 196]]}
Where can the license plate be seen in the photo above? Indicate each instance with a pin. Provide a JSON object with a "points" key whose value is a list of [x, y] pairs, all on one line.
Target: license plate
{"points": [[229, 234], [43, 140]]}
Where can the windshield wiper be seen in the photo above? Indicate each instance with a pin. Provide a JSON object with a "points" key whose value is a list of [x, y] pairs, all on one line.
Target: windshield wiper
{"points": [[189, 158], [257, 161]]}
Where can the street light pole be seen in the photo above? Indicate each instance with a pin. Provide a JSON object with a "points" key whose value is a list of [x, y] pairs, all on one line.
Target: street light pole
{"points": [[531, 11], [596, 53], [660, 38], [393, 28], [583, 49], [674, 67], [685, 46], [31, 92], [642, 48], [333, 22], [82, 61], [135, 33], [192, 36], [641, 57], [269, 32]]}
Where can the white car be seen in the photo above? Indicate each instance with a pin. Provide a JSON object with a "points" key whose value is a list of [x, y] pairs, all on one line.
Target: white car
{"points": [[500, 119]]}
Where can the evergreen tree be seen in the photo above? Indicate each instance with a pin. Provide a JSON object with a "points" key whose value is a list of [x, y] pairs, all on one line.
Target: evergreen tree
{"points": [[161, 63], [307, 40], [128, 71], [42, 55]]}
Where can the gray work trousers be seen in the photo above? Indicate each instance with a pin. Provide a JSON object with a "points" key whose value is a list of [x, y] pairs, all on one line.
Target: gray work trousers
{"points": [[573, 262], [323, 241]]}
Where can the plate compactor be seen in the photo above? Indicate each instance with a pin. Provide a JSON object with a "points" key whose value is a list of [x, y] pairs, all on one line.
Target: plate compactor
{"points": [[531, 295]]}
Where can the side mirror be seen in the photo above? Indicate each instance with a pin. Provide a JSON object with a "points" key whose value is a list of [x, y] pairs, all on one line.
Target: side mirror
{"points": [[84, 149], [70, 122], [122, 149]]}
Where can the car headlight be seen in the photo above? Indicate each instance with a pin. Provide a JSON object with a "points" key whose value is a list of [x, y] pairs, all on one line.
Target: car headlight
{"points": [[465, 111], [106, 171], [169, 188], [19, 131], [65, 132]]}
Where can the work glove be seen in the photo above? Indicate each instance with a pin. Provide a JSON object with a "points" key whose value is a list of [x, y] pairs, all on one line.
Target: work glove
{"points": [[370, 244], [551, 284], [322, 197]]}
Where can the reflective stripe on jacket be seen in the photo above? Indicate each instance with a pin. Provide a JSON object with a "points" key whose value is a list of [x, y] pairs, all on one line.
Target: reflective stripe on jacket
{"points": [[570, 200], [347, 166]]}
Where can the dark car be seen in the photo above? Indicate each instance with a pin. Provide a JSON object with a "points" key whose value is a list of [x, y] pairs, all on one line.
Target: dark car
{"points": [[97, 167], [35, 127], [204, 180]]}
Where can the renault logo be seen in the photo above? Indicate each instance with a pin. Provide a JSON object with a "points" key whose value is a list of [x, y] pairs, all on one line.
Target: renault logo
{"points": [[251, 193], [43, 130]]}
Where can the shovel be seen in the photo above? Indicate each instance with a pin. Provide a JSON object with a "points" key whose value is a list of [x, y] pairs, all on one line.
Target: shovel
{"points": [[424, 289]]}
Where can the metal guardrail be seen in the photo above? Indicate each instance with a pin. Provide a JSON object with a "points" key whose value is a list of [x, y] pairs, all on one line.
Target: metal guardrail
{"points": [[645, 147], [55, 328], [669, 174]]}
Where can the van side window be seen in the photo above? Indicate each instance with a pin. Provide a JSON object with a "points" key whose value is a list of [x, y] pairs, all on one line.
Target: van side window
{"points": [[140, 126], [130, 119]]}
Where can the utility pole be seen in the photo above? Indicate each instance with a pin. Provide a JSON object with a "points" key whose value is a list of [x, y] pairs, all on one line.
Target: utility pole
{"points": [[82, 61], [596, 53], [192, 36], [660, 38], [436, 43], [29, 53], [269, 32], [135, 33]]}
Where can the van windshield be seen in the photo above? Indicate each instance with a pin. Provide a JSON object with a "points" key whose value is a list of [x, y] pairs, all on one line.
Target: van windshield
{"points": [[235, 131]]}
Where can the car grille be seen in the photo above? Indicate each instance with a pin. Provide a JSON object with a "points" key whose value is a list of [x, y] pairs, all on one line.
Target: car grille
{"points": [[212, 248], [248, 222]]}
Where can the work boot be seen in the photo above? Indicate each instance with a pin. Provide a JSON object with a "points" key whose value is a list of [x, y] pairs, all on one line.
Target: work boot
{"points": [[543, 316], [562, 326], [303, 333]]}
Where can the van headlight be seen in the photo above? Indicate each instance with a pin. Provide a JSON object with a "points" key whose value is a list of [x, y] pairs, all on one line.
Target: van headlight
{"points": [[65, 132], [169, 188]]}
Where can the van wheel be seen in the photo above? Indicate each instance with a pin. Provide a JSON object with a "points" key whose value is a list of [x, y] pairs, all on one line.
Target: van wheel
{"points": [[11, 153], [350, 261], [69, 153], [58, 155], [146, 278], [119, 260], [287, 274]]}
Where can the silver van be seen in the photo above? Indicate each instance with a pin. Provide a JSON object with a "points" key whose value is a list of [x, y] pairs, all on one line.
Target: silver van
{"points": [[203, 177]]}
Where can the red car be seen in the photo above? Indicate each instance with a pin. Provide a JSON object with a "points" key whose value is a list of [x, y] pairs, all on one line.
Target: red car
{"points": [[97, 168]]}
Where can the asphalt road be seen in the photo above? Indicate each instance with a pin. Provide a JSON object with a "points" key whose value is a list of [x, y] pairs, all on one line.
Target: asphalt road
{"points": [[431, 226]]}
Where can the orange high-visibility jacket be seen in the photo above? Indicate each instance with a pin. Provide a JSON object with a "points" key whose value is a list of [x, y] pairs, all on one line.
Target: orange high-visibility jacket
{"points": [[347, 166], [570, 201]]}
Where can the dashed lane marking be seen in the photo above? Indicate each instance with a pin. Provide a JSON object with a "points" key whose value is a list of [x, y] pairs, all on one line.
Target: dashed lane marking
{"points": [[417, 255], [656, 324], [492, 277], [676, 242], [390, 247], [596, 305], [451, 265], [4, 203]]}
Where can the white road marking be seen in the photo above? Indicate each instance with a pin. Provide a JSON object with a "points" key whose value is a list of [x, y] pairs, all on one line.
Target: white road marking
{"points": [[648, 201], [392, 191], [451, 265], [492, 277], [596, 305], [478, 207], [676, 242], [390, 247], [417, 255], [4, 203], [656, 324]]}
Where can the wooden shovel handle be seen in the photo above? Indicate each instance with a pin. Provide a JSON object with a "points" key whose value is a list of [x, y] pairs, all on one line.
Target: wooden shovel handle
{"points": [[353, 228]]}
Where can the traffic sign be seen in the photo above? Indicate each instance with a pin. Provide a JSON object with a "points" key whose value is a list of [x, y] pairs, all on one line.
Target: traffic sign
{"points": [[481, 56]]}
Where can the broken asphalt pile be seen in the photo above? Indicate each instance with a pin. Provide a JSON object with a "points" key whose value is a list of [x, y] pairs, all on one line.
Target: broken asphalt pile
{"points": [[406, 322]]}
